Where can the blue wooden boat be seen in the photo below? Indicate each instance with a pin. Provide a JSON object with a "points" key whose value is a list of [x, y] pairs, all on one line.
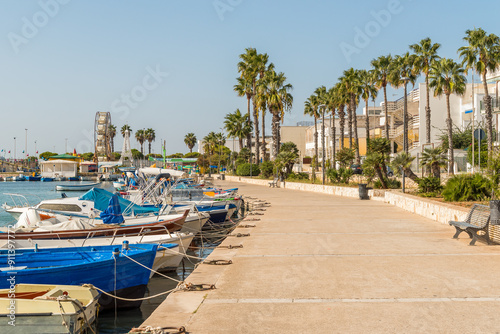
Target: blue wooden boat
{"points": [[34, 178], [47, 179], [84, 265]]}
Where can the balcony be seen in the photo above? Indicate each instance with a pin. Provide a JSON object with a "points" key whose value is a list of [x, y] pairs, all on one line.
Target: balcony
{"points": [[495, 104]]}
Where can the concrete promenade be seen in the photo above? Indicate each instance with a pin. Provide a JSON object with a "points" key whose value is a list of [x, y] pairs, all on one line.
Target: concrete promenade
{"points": [[318, 263]]}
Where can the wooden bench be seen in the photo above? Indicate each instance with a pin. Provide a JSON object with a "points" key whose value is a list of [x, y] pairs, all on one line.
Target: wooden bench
{"points": [[477, 220], [274, 183]]}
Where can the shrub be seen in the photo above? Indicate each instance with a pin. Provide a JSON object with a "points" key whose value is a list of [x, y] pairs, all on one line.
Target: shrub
{"points": [[468, 188], [244, 170], [429, 185], [342, 175], [298, 176], [267, 169], [391, 184]]}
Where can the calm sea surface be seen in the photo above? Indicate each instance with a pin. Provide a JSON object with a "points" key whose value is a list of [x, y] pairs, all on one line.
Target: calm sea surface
{"points": [[33, 192]]}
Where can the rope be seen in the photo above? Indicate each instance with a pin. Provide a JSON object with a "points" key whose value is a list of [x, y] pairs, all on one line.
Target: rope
{"points": [[128, 299], [150, 269]]}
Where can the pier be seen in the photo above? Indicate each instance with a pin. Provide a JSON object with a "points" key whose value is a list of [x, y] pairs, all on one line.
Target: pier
{"points": [[317, 263]]}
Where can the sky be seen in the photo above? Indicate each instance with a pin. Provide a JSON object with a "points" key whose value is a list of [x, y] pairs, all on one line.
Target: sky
{"points": [[171, 65]]}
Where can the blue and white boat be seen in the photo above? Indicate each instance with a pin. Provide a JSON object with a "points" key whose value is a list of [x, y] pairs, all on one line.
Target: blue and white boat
{"points": [[108, 268]]}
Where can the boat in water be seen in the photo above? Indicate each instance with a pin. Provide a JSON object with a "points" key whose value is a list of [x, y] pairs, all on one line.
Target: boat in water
{"points": [[42, 308], [111, 269], [77, 187], [80, 228], [165, 260]]}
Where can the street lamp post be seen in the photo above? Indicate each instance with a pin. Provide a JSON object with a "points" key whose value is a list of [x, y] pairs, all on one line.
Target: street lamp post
{"points": [[405, 125], [26, 142], [15, 155], [322, 106]]}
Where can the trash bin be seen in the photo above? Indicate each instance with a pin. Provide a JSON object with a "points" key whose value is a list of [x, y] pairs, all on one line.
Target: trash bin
{"points": [[495, 212], [363, 191], [223, 176]]}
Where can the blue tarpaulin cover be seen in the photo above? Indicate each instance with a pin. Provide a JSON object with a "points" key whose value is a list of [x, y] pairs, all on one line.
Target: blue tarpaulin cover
{"points": [[101, 198], [113, 213]]}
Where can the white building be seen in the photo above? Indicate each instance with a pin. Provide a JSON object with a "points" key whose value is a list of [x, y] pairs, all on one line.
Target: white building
{"points": [[58, 168]]}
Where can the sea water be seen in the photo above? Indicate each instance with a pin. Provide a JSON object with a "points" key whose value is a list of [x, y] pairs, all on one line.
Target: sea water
{"points": [[108, 323]]}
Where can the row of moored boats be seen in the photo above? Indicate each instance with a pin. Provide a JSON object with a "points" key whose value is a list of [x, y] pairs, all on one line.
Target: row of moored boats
{"points": [[64, 258]]}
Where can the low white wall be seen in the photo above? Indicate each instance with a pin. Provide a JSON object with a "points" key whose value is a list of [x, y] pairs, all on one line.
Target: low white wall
{"points": [[440, 212]]}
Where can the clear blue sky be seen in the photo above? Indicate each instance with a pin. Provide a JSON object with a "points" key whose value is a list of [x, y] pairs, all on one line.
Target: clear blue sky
{"points": [[60, 64]]}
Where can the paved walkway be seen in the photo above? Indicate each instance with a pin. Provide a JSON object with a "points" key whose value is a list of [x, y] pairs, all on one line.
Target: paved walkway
{"points": [[322, 264]]}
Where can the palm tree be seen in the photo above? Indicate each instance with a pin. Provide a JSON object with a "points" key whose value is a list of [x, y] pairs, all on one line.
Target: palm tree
{"points": [[260, 98], [150, 136], [210, 142], [426, 55], [125, 128], [261, 104], [237, 126], [279, 100], [253, 64], [447, 77], [331, 103], [404, 160], [381, 147], [402, 71], [341, 99], [381, 70], [353, 86], [140, 136], [311, 109], [434, 158], [482, 55], [190, 141], [244, 88], [368, 90], [112, 135]]}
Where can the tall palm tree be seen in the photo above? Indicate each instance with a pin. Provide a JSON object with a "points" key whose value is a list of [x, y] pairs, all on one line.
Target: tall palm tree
{"points": [[190, 141], [244, 88], [237, 126], [402, 72], [112, 135], [482, 55], [140, 136], [125, 128], [150, 136], [341, 98], [368, 90], [447, 77], [426, 55], [381, 69], [311, 109], [261, 105], [260, 100], [331, 103], [210, 142], [353, 86], [279, 100]]}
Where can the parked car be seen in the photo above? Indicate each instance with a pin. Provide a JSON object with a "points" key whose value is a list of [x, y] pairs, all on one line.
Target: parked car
{"points": [[356, 169], [390, 173]]}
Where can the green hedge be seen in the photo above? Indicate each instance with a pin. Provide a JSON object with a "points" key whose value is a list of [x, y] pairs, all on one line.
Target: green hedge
{"points": [[244, 170]]}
